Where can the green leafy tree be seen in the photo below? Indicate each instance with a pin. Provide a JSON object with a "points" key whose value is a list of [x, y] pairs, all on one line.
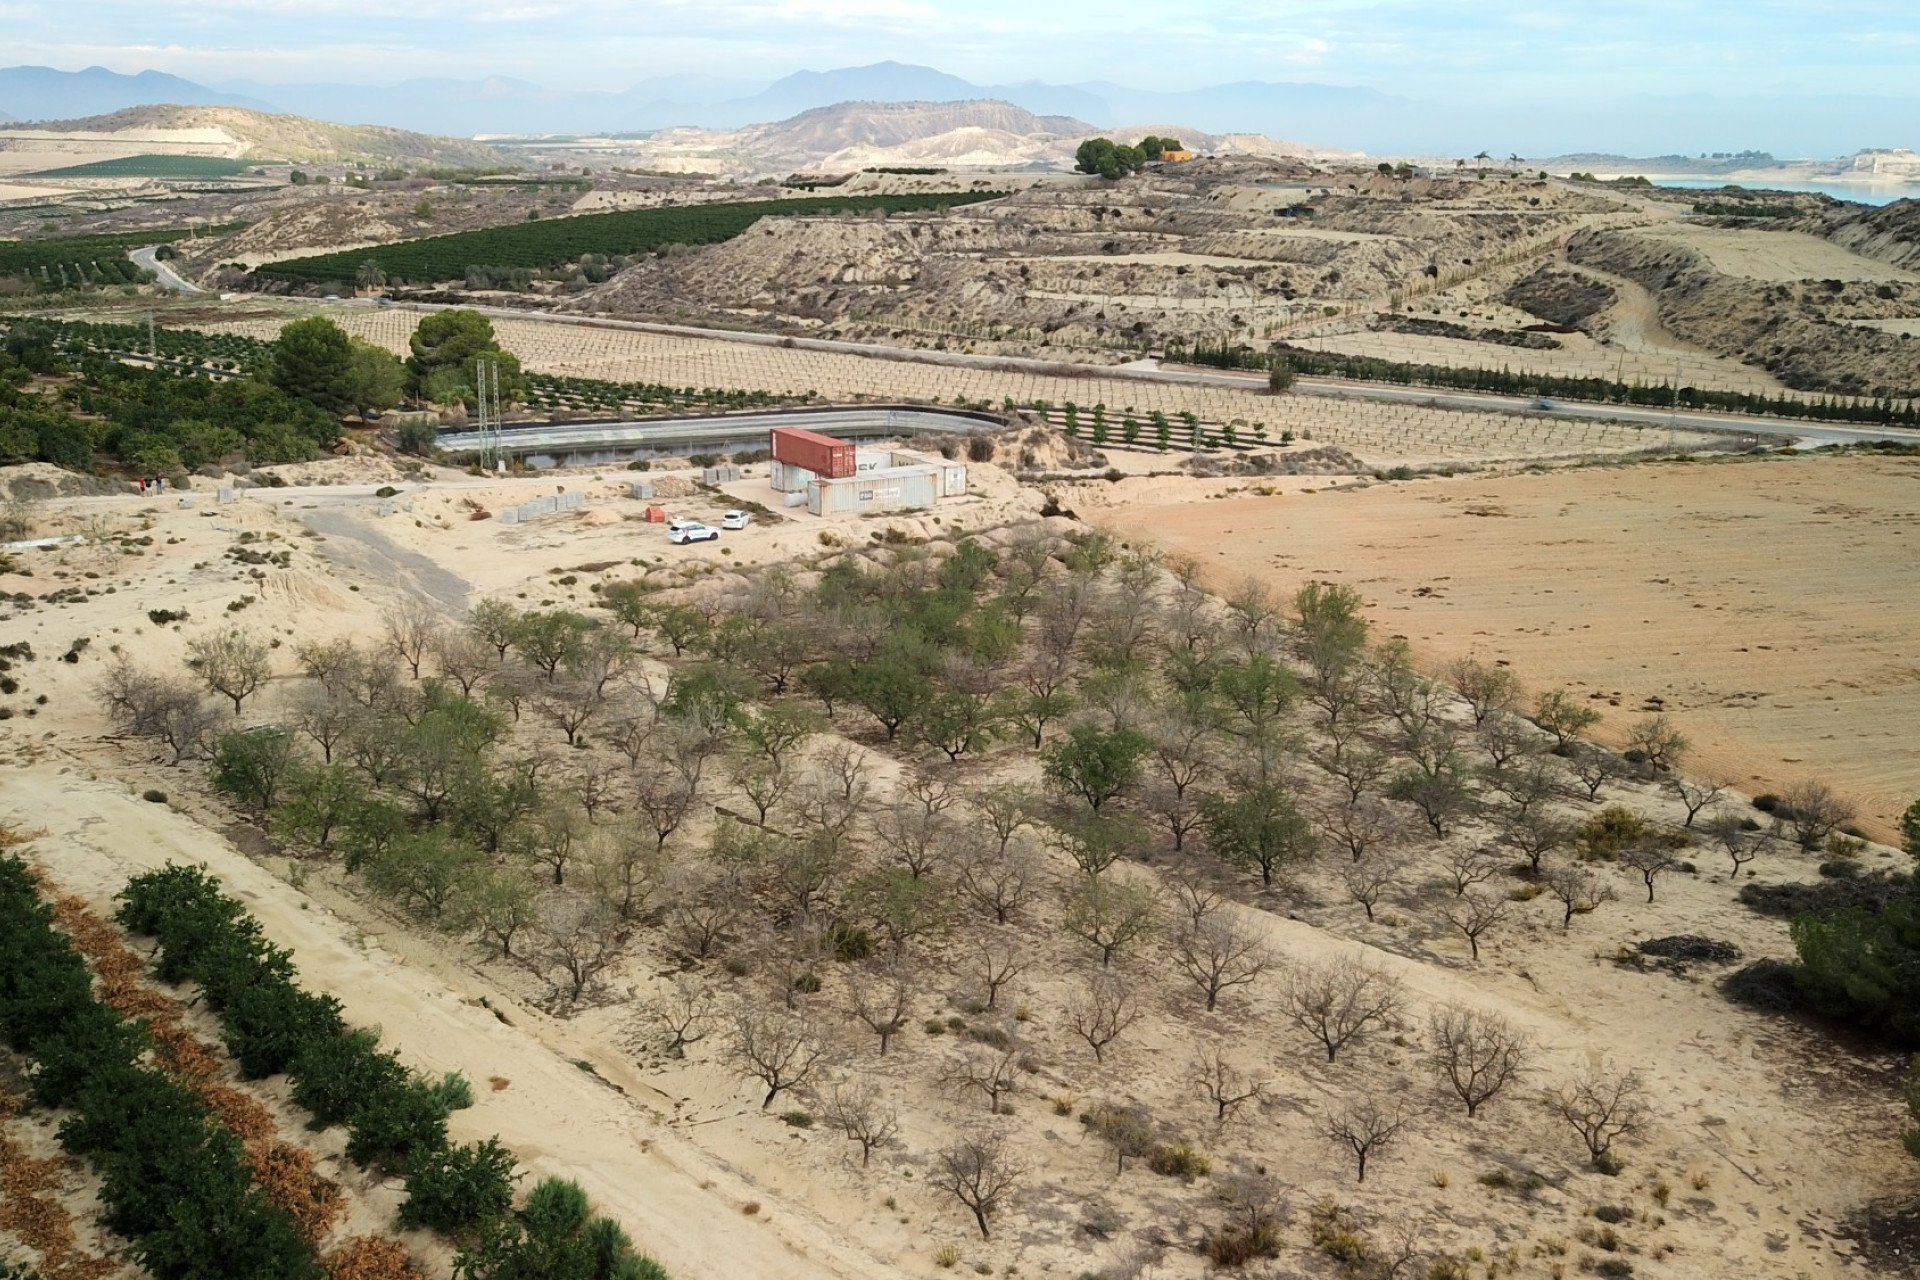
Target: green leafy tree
{"points": [[251, 764], [1093, 764], [313, 360], [1108, 159], [376, 379], [444, 347], [1258, 826]]}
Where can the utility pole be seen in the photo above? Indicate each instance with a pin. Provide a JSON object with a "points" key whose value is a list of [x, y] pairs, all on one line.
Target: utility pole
{"points": [[486, 387]]}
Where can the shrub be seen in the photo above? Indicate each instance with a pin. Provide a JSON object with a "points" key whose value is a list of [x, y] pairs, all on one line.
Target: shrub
{"points": [[1612, 1213], [797, 1119], [389, 1130], [153, 795], [460, 1187], [1232, 1247], [1179, 1160], [1614, 1268]]}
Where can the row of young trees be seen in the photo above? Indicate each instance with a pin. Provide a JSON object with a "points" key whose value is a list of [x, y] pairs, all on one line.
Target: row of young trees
{"points": [[396, 1120]]}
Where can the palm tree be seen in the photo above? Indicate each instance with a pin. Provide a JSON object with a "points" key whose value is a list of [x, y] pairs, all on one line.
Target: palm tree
{"points": [[371, 275]]}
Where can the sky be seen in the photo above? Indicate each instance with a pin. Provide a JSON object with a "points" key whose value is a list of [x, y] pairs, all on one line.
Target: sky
{"points": [[1467, 52]]}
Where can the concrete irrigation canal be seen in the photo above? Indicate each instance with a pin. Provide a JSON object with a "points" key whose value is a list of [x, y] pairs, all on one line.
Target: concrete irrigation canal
{"points": [[587, 443]]}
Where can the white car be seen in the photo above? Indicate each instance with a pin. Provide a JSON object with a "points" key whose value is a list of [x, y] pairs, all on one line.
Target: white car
{"points": [[735, 520], [684, 531]]}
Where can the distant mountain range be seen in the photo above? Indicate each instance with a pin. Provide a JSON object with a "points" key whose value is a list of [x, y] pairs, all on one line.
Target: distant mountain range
{"points": [[1360, 118]]}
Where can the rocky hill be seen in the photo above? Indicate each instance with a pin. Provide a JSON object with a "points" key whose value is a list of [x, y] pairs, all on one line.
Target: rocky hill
{"points": [[259, 135]]}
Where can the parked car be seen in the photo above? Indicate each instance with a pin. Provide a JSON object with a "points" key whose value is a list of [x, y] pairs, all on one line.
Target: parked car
{"points": [[735, 520], [1544, 404], [684, 531]]}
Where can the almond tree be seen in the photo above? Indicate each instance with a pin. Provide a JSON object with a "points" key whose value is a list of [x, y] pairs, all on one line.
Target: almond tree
{"points": [[1222, 1083], [231, 662], [860, 1112], [1220, 953], [981, 1175], [777, 1047], [1336, 1001], [1366, 1126], [1103, 1009], [883, 1001], [1475, 1054], [1603, 1106], [1475, 914]]}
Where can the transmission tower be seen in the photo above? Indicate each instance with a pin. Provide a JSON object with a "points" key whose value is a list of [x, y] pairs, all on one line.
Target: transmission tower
{"points": [[486, 386]]}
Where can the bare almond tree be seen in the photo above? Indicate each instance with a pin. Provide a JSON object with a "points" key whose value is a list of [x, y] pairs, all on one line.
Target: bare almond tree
{"points": [[1367, 1126], [1507, 739], [1370, 880], [575, 940], [1534, 834], [1223, 1084], [683, 1011], [1475, 1054], [864, 1115], [998, 879], [1475, 914], [1194, 895], [1467, 865], [1527, 782], [777, 1047], [1648, 857], [883, 1000], [232, 662], [1364, 825], [993, 1072], [326, 715], [624, 867], [1813, 811], [705, 908], [1603, 1106], [1103, 1008], [1740, 844], [918, 836], [1220, 953], [1485, 689], [463, 658], [408, 630], [1595, 767], [1358, 768], [1336, 1001], [1696, 794], [981, 1175], [1579, 891], [997, 961]]}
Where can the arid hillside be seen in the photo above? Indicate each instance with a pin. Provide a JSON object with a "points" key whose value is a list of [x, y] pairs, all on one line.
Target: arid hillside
{"points": [[257, 135], [1803, 307], [1226, 249]]}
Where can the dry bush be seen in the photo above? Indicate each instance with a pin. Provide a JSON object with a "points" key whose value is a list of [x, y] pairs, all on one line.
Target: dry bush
{"points": [[370, 1258]]}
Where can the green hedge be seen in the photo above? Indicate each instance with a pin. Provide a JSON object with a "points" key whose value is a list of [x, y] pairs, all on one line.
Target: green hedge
{"points": [[396, 1118], [173, 1181]]}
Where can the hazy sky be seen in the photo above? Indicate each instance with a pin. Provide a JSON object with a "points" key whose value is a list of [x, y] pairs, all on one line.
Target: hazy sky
{"points": [[1462, 51]]}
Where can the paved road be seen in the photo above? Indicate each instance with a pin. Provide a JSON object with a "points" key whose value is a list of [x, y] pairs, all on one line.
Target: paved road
{"points": [[165, 276], [1152, 371]]}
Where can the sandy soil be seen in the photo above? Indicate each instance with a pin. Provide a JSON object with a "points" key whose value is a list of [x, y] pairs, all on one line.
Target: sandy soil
{"points": [[1769, 605], [1776, 255]]}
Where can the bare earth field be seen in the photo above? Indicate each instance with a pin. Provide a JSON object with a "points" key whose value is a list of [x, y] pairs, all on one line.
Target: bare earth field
{"points": [[1770, 606]]}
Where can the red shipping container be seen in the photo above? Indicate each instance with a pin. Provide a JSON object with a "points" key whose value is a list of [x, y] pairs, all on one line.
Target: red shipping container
{"points": [[822, 455]]}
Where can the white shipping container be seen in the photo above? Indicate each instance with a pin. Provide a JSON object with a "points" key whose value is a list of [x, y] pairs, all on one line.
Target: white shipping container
{"points": [[787, 477], [892, 489]]}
